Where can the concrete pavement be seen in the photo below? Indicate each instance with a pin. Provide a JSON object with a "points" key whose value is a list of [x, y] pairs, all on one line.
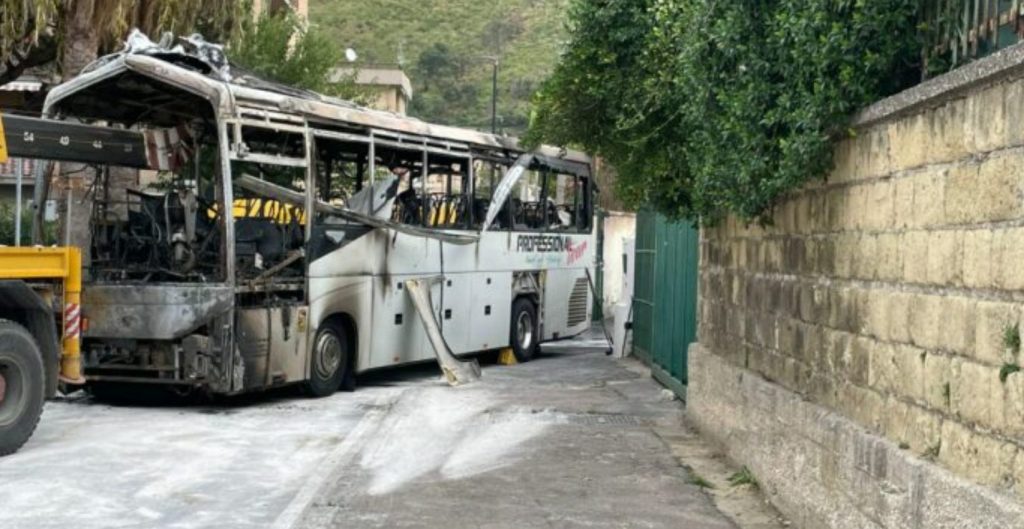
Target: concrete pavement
{"points": [[573, 439], [568, 440]]}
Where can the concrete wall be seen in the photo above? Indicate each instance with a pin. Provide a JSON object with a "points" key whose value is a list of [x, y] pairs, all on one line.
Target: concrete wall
{"points": [[880, 297], [617, 226]]}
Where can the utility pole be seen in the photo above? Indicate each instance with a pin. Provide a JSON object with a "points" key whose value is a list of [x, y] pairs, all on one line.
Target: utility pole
{"points": [[494, 60], [494, 98]]}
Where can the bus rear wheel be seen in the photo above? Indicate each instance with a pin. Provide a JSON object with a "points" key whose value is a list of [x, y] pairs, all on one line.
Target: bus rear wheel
{"points": [[330, 358], [22, 386], [525, 331]]}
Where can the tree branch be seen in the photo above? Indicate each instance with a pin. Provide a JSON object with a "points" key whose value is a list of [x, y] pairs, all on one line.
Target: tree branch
{"points": [[28, 55]]}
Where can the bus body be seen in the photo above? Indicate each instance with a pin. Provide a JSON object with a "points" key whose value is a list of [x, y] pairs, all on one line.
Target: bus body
{"points": [[210, 283]]}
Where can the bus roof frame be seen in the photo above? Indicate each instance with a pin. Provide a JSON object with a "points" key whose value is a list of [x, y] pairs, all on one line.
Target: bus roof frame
{"points": [[233, 100]]}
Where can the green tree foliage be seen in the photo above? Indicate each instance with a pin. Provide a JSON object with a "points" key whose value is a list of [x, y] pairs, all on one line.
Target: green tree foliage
{"points": [[448, 90], [282, 48], [707, 108], [37, 32], [278, 46], [23, 22], [7, 228], [445, 47]]}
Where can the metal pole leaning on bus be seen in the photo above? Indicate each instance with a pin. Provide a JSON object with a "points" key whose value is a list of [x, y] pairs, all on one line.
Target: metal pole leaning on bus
{"points": [[608, 337], [456, 372]]}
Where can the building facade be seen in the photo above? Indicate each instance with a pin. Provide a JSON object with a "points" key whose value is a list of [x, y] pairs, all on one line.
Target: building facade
{"points": [[386, 87]]}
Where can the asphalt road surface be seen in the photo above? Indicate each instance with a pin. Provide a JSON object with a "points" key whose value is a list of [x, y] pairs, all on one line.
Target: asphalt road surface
{"points": [[564, 441]]}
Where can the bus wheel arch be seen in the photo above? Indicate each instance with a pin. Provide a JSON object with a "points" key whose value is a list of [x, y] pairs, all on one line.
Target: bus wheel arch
{"points": [[348, 381], [524, 333], [348, 323], [332, 356]]}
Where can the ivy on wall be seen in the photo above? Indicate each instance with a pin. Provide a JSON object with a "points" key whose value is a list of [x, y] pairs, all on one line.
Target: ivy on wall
{"points": [[710, 107]]}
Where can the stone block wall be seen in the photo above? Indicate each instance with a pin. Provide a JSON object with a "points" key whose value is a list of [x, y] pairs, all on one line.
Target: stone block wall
{"points": [[884, 293]]}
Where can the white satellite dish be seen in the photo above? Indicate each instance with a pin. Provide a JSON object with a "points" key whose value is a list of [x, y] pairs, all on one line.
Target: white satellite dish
{"points": [[350, 55]]}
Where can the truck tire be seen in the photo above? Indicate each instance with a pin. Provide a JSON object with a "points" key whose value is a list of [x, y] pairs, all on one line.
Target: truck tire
{"points": [[22, 386], [330, 360], [525, 334]]}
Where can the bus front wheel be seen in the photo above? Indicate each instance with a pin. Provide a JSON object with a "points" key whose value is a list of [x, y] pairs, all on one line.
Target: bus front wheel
{"points": [[330, 360], [525, 336], [22, 386]]}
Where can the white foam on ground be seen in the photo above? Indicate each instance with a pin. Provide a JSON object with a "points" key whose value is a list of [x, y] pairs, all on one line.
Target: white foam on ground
{"points": [[444, 431], [490, 447], [96, 466]]}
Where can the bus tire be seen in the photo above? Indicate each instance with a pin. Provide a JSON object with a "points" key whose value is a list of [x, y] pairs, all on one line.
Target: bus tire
{"points": [[330, 360], [348, 380], [525, 333], [24, 386]]}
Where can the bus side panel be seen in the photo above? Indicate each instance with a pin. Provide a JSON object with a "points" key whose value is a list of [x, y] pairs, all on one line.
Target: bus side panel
{"points": [[408, 254], [363, 256], [272, 348], [457, 312], [398, 334], [490, 308], [349, 295], [566, 303], [557, 283]]}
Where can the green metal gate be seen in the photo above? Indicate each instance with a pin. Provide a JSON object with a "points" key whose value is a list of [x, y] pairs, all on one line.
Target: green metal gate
{"points": [[665, 296]]}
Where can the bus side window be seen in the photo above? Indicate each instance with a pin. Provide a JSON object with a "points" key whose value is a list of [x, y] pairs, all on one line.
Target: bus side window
{"points": [[526, 212], [584, 205], [340, 171], [560, 202], [446, 202], [398, 176], [487, 175]]}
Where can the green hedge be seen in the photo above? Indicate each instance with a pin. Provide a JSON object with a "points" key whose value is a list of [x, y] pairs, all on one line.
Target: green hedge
{"points": [[709, 107], [7, 226]]}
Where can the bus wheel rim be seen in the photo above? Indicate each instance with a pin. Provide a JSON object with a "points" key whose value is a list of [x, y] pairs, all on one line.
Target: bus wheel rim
{"points": [[524, 330], [12, 391], [328, 355]]}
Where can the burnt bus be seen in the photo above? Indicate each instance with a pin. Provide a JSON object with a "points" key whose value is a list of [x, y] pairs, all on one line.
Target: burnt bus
{"points": [[271, 243]]}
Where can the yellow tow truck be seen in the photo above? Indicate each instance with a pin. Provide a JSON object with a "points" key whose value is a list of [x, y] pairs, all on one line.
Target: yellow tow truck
{"points": [[40, 326], [40, 287]]}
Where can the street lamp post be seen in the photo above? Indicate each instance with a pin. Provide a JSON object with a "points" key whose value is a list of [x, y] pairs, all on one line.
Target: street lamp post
{"points": [[494, 98], [493, 59]]}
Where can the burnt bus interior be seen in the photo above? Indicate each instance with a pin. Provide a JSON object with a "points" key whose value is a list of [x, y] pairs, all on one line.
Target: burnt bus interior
{"points": [[454, 191], [146, 236], [174, 231]]}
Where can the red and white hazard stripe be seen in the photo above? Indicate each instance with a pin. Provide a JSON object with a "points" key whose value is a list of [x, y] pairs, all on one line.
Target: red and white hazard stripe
{"points": [[72, 320]]}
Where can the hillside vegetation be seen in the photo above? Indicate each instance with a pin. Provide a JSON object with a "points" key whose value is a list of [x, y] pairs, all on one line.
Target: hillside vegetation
{"points": [[443, 46]]}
